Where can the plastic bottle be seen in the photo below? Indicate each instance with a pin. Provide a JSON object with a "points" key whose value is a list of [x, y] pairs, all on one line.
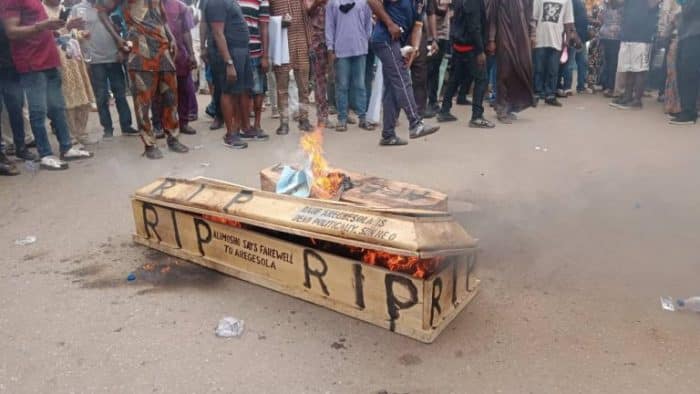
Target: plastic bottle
{"points": [[691, 304]]}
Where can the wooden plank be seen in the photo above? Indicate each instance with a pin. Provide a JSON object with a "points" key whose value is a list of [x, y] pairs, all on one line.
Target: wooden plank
{"points": [[374, 192], [387, 299], [424, 236]]}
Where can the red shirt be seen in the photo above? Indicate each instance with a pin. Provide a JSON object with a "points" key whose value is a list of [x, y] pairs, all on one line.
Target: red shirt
{"points": [[38, 52]]}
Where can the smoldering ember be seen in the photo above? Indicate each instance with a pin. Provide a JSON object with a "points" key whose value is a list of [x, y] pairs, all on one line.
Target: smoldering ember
{"points": [[379, 197]]}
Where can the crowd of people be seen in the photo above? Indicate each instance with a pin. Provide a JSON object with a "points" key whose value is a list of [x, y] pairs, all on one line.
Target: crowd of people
{"points": [[64, 59]]}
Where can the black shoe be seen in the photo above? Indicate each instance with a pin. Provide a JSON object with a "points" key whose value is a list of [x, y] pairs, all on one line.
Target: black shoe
{"points": [[31, 144], [283, 129], [254, 135], [176, 146], [187, 129], [481, 123], [422, 130], [7, 167], [429, 113], [159, 133], [130, 131], [393, 141], [305, 125], [553, 102], [210, 111], [683, 120], [27, 155], [234, 141], [365, 125], [153, 153], [216, 124], [332, 111], [446, 117], [9, 150], [620, 103], [463, 101]]}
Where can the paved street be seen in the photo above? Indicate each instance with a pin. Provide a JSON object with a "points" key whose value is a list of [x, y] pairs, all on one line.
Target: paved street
{"points": [[579, 239]]}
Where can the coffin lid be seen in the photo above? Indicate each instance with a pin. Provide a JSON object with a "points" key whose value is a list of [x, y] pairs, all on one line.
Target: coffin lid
{"points": [[406, 232]]}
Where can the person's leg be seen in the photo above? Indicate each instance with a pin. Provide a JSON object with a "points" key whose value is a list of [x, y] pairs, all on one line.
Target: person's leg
{"points": [[301, 76], [242, 102], [419, 76], [117, 83], [478, 74], [457, 75], [539, 57], [35, 88], [144, 84], [228, 112], [282, 81], [396, 73], [640, 82], [582, 69], [56, 109], [167, 91], [688, 68], [391, 109], [551, 73], [357, 82], [369, 74], [13, 97], [434, 63], [320, 65], [342, 83], [99, 77], [183, 103]]}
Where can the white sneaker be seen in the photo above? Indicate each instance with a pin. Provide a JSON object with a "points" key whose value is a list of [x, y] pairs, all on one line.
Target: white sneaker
{"points": [[76, 154], [52, 163]]}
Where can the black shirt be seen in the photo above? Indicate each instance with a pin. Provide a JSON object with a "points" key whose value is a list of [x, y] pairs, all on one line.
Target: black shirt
{"points": [[5, 54], [235, 26], [638, 21]]}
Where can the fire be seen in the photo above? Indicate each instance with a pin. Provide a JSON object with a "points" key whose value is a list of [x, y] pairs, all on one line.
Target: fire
{"points": [[217, 219], [415, 266], [326, 183]]}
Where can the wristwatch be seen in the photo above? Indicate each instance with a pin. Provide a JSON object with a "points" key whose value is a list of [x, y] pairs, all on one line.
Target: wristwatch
{"points": [[229, 62]]}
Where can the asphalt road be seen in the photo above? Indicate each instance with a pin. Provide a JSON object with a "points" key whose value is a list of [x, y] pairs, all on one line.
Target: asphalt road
{"points": [[580, 238]]}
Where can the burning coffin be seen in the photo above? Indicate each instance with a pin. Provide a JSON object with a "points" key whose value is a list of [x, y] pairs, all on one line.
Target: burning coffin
{"points": [[409, 271]]}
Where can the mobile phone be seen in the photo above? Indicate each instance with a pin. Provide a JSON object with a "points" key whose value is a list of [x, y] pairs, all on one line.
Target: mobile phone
{"points": [[63, 15]]}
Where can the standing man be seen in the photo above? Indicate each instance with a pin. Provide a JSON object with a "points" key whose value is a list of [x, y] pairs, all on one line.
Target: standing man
{"points": [[181, 23], [438, 11], [399, 24], [688, 62], [35, 56], [106, 71], [151, 49], [552, 18], [295, 20], [257, 16], [468, 31], [348, 29], [320, 61], [639, 22], [510, 36]]}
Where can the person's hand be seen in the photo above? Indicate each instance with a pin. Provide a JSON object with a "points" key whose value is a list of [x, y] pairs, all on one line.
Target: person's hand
{"points": [[491, 47], [394, 31], [75, 23], [331, 59], [265, 64], [410, 58], [533, 42], [481, 60], [173, 49], [123, 46], [51, 24], [231, 75], [193, 63]]}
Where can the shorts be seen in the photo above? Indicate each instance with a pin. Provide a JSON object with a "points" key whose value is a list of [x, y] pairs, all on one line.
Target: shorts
{"points": [[634, 57], [244, 72], [259, 78]]}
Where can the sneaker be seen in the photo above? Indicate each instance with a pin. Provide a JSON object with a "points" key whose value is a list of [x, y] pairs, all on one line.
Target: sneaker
{"points": [[393, 141], [429, 113], [283, 129], [26, 155], [130, 132], [553, 102], [90, 140], [443, 117], [619, 103], [351, 119], [75, 154], [188, 130], [305, 125], [7, 167], [233, 141], [254, 135], [568, 93], [210, 111], [153, 153], [628, 105], [332, 111], [422, 130], [176, 146], [107, 136], [326, 124], [683, 120], [365, 125], [561, 93], [481, 123], [52, 163], [670, 116], [216, 124], [342, 126]]}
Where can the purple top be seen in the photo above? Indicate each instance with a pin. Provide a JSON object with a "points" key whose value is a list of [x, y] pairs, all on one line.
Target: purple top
{"points": [[180, 22], [348, 33]]}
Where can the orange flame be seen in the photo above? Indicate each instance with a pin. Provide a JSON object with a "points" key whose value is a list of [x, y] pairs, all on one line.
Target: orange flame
{"points": [[326, 183], [415, 266], [218, 219]]}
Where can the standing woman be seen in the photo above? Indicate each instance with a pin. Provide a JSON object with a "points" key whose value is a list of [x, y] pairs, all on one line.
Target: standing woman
{"points": [[77, 89], [609, 36]]}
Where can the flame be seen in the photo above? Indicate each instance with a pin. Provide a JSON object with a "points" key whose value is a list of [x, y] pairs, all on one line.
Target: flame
{"points": [[415, 266], [326, 183], [218, 219]]}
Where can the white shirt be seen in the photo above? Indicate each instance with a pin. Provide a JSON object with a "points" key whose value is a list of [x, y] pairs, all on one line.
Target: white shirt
{"points": [[551, 16]]}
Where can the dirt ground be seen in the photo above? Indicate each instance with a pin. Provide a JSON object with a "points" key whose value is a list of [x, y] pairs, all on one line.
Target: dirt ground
{"points": [[579, 239]]}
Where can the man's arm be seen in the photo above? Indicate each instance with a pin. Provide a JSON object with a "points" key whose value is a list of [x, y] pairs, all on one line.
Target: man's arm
{"points": [[104, 8], [492, 16], [16, 32], [330, 26], [203, 33], [312, 5], [217, 31], [378, 9], [168, 33]]}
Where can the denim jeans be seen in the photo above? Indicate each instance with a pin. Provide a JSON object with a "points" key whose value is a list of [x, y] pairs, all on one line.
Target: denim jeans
{"points": [[546, 61], [688, 71], [492, 72], [350, 74], [12, 95], [578, 61], [45, 98], [105, 77], [463, 67], [398, 89], [611, 50]]}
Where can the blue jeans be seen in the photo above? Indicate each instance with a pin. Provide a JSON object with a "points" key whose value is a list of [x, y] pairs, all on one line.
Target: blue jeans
{"points": [[492, 72], [12, 95], [350, 74], [546, 61], [106, 77], [45, 98], [578, 60]]}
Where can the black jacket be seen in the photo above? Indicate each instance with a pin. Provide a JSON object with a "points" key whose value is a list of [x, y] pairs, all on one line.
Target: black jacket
{"points": [[468, 25]]}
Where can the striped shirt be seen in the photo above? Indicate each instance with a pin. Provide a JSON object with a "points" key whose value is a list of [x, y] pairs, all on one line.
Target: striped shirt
{"points": [[255, 12]]}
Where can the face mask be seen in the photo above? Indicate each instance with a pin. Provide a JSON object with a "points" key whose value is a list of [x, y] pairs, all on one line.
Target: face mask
{"points": [[345, 8]]}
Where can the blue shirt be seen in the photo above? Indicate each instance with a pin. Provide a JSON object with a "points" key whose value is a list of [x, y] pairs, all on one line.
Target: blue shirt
{"points": [[405, 13]]}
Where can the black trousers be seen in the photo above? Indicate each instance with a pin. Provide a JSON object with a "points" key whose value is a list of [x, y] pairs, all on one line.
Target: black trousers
{"points": [[611, 50], [434, 63], [463, 67], [419, 76], [688, 68]]}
